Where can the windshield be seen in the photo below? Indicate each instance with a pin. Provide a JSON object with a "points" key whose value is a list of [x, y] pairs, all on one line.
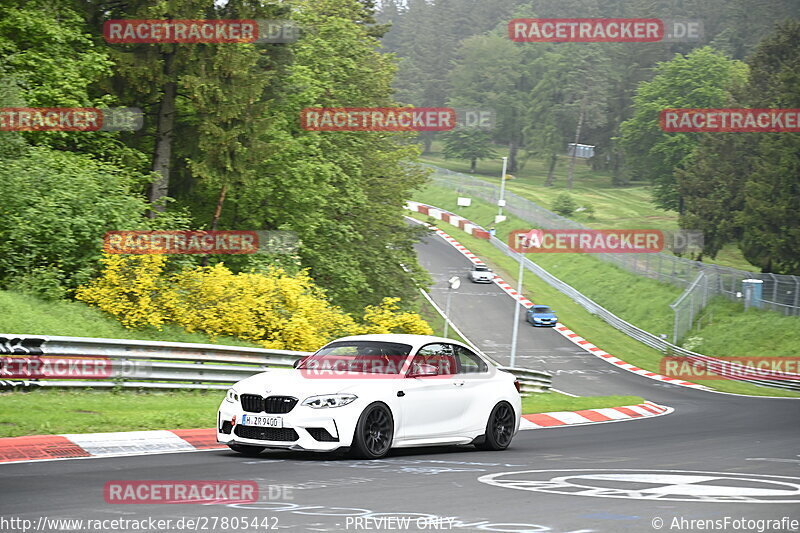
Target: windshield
{"points": [[543, 310], [372, 357], [482, 269]]}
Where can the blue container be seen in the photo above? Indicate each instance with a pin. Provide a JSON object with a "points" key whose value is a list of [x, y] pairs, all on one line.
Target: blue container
{"points": [[752, 290]]}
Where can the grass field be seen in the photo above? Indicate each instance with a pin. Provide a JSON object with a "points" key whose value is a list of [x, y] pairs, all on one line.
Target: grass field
{"points": [[609, 339], [24, 314], [41, 412], [47, 412], [21, 313], [615, 207], [729, 330]]}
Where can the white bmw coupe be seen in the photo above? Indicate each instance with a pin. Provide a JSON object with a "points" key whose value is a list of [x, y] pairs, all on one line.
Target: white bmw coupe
{"points": [[371, 393]]}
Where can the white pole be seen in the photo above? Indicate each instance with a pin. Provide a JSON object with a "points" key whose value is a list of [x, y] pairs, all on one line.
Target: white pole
{"points": [[447, 313], [517, 304], [502, 187]]}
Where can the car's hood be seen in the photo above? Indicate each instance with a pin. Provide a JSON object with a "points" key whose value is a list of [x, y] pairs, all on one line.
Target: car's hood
{"points": [[301, 384], [546, 316]]}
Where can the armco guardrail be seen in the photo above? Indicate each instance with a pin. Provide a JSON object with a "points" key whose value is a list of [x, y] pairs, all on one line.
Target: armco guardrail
{"points": [[531, 380], [163, 365], [146, 364], [732, 371]]}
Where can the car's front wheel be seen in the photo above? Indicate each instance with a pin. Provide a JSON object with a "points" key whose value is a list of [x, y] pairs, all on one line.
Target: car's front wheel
{"points": [[244, 449], [499, 428], [374, 432]]}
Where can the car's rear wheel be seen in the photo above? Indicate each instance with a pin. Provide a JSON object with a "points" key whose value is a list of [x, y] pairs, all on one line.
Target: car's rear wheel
{"points": [[374, 432], [499, 428], [245, 449]]}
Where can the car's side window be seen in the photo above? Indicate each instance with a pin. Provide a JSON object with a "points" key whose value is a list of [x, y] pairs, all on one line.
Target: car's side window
{"points": [[439, 355], [469, 362]]}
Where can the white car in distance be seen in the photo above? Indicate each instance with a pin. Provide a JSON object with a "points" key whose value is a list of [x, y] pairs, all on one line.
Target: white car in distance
{"points": [[372, 393], [481, 274]]}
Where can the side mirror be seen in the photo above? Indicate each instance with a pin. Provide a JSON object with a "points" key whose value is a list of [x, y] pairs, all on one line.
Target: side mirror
{"points": [[298, 362], [422, 370]]}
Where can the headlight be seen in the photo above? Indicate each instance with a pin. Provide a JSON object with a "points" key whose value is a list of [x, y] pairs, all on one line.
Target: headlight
{"points": [[329, 400], [231, 396]]}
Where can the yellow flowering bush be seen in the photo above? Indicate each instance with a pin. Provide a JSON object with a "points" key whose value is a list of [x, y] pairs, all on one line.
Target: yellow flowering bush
{"points": [[273, 308], [387, 318], [130, 288]]}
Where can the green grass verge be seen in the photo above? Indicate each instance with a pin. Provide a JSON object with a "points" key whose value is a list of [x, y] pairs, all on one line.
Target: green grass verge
{"points": [[81, 411], [730, 331], [615, 207], [552, 401], [591, 327], [50, 411], [24, 314]]}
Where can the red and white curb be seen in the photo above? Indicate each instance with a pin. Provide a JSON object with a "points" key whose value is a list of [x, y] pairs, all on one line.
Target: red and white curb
{"points": [[593, 416], [526, 303], [83, 445], [130, 443]]}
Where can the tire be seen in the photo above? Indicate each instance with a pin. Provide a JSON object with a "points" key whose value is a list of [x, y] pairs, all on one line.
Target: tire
{"points": [[499, 428], [246, 449], [374, 432]]}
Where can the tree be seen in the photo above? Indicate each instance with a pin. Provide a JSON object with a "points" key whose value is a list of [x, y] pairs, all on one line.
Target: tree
{"points": [[343, 193], [153, 77], [56, 208], [47, 51], [770, 217], [468, 143], [228, 93], [743, 187], [568, 93], [564, 204], [702, 79], [489, 75], [712, 186]]}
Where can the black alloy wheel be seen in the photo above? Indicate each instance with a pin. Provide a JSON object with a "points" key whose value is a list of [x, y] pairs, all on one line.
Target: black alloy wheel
{"points": [[499, 428], [374, 432]]}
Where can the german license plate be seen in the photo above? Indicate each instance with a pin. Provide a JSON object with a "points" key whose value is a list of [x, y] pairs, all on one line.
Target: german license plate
{"points": [[262, 421]]}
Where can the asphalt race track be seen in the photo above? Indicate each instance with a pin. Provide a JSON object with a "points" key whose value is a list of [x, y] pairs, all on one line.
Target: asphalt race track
{"points": [[734, 460]]}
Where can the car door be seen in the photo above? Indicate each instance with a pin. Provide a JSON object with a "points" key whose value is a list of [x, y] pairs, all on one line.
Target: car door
{"points": [[472, 379], [431, 405]]}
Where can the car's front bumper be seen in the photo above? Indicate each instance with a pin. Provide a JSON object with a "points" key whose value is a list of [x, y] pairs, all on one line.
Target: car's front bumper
{"points": [[302, 428], [540, 324]]}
